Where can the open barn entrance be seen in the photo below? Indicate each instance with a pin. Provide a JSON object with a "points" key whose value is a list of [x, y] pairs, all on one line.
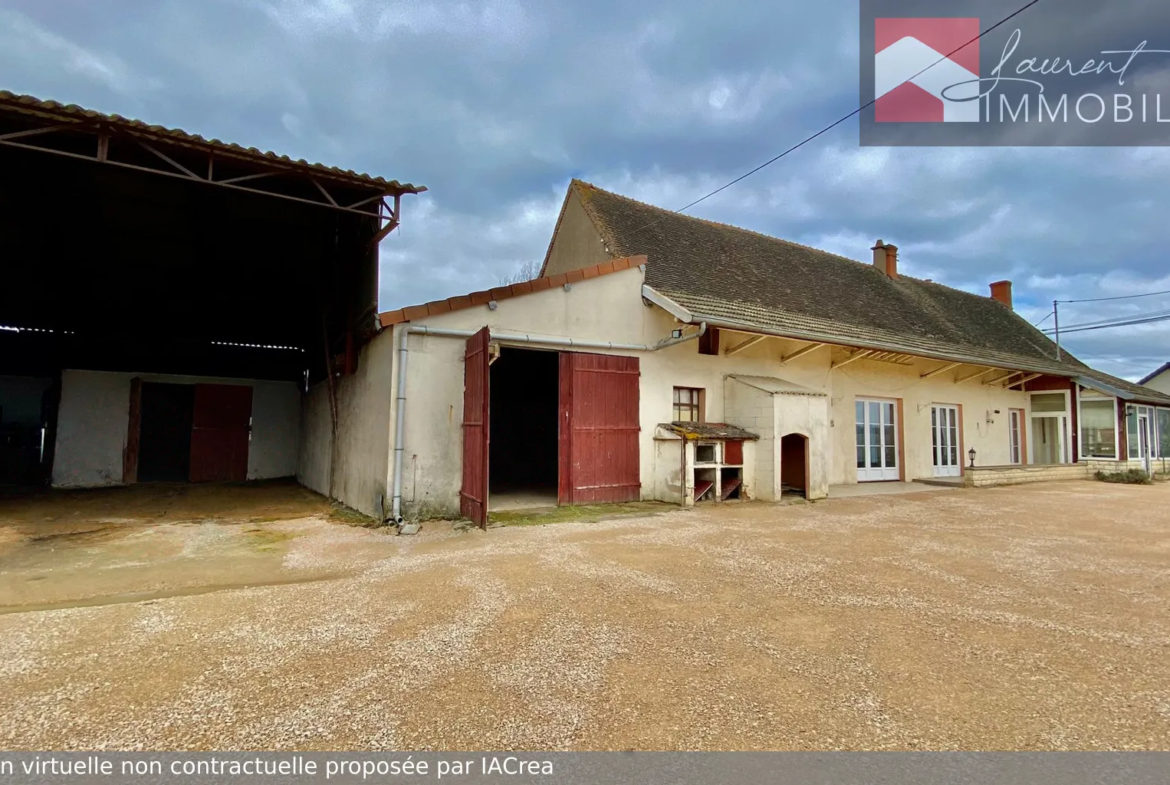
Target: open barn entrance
{"points": [[167, 324], [522, 463]]}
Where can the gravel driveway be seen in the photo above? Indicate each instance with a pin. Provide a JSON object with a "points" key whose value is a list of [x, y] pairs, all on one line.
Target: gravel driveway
{"points": [[1011, 618]]}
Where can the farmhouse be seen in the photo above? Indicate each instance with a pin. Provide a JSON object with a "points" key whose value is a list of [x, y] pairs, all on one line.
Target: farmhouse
{"points": [[660, 356], [203, 312]]}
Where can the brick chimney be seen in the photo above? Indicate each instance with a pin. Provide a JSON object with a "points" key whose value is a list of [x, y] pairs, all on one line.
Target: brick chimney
{"points": [[885, 258], [1001, 291]]}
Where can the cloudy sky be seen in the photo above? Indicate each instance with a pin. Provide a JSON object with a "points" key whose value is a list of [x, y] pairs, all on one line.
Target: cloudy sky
{"points": [[496, 104]]}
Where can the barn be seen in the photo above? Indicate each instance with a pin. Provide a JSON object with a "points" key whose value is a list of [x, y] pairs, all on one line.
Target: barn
{"points": [[168, 299]]}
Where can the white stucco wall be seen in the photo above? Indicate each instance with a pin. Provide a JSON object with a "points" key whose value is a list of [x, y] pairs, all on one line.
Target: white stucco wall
{"points": [[354, 471], [94, 417], [754, 410], [1161, 382], [895, 382], [91, 428], [610, 308]]}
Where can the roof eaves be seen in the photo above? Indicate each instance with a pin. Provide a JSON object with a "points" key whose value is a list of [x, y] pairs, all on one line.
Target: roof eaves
{"points": [[1012, 363], [415, 312], [1165, 367], [80, 116]]}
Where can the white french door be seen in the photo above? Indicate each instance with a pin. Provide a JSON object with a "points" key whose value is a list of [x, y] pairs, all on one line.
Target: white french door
{"points": [[1015, 428], [944, 429], [1145, 438], [877, 440]]}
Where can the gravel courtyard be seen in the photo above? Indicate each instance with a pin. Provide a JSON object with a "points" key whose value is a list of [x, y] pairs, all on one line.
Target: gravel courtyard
{"points": [[1035, 617]]}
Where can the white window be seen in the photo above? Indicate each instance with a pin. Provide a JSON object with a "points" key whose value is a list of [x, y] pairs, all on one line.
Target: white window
{"points": [[1015, 435], [877, 440], [1098, 424], [944, 429], [1049, 436], [1163, 433]]}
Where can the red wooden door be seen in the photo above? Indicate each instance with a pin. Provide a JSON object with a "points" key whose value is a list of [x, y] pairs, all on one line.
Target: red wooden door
{"points": [[220, 432], [473, 497], [598, 429]]}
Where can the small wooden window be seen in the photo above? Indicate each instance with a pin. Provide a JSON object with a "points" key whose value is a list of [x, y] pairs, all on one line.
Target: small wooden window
{"points": [[688, 404]]}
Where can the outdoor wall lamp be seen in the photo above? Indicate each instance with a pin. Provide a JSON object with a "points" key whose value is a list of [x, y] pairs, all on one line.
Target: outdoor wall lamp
{"points": [[971, 455]]}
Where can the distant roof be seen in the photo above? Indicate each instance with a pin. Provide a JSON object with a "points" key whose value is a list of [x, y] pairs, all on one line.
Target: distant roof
{"points": [[71, 114], [1165, 367], [774, 386], [743, 277]]}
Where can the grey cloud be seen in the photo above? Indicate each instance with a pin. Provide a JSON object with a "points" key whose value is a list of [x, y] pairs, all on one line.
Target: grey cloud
{"points": [[496, 104]]}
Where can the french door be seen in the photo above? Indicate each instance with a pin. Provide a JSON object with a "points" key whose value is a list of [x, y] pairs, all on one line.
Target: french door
{"points": [[1016, 431], [877, 440], [944, 429], [1145, 440]]}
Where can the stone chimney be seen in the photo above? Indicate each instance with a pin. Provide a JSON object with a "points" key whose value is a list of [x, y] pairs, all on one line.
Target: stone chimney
{"points": [[1001, 291], [885, 258]]}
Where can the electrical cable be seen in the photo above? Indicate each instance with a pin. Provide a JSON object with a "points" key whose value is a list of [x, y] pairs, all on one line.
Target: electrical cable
{"points": [[1118, 297], [838, 122], [1076, 329]]}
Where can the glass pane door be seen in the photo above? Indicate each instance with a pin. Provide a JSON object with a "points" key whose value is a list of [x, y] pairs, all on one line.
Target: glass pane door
{"points": [[1014, 429], [944, 421], [877, 441]]}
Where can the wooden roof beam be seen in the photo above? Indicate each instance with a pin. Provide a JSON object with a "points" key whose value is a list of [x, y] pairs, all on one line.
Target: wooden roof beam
{"points": [[1027, 378], [801, 352], [937, 371], [975, 375], [750, 342], [852, 358], [999, 379]]}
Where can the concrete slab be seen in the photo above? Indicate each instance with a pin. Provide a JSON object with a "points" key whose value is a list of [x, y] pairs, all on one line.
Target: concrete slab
{"points": [[882, 489], [527, 499]]}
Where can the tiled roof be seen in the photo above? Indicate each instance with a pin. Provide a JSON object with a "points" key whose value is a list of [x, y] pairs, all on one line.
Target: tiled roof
{"points": [[743, 277], [71, 113], [413, 312], [707, 430]]}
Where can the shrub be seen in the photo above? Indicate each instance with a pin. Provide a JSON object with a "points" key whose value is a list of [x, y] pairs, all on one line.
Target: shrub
{"points": [[1129, 477]]}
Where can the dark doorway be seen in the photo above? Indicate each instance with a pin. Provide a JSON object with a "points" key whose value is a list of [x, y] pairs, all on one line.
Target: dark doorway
{"points": [[794, 464], [164, 452], [523, 450], [28, 415]]}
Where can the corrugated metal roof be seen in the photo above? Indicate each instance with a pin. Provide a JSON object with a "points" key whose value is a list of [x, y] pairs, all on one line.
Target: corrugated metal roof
{"points": [[774, 386], [71, 113]]}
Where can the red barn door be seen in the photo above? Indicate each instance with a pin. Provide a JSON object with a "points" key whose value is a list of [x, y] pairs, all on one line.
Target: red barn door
{"points": [[473, 498], [220, 432], [598, 429]]}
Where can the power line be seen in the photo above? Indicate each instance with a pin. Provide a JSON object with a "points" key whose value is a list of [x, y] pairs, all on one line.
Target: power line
{"points": [[1042, 321], [1119, 297], [1112, 319], [1081, 329], [838, 122]]}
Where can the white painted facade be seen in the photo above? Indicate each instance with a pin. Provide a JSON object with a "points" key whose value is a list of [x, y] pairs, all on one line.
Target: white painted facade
{"points": [[611, 308], [355, 469], [94, 417]]}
